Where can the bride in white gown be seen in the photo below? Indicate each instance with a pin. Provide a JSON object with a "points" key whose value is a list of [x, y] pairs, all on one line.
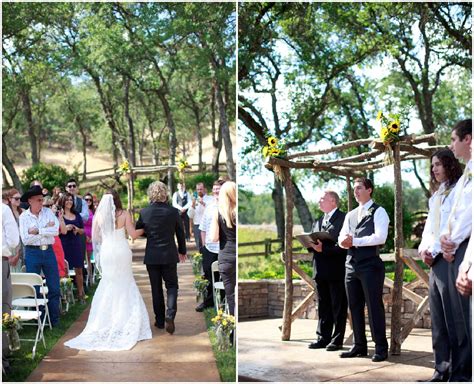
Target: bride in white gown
{"points": [[118, 317]]}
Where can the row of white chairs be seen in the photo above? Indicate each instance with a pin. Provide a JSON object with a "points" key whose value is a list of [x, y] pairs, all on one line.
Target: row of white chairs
{"points": [[218, 287]]}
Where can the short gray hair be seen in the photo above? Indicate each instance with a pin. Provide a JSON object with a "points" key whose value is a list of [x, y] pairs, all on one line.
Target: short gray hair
{"points": [[157, 192], [334, 195]]}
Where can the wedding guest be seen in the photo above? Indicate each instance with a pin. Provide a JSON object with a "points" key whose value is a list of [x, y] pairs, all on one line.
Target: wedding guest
{"points": [[465, 275], [71, 242], [57, 193], [88, 233], [445, 172], [196, 211], [210, 249], [17, 261], [57, 245], [364, 231], [223, 229], [10, 240], [329, 271], [38, 226], [454, 240], [182, 202]]}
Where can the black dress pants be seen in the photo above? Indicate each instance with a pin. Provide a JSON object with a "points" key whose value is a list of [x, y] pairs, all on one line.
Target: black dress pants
{"points": [[187, 231], [228, 275], [169, 274], [332, 310], [364, 284]]}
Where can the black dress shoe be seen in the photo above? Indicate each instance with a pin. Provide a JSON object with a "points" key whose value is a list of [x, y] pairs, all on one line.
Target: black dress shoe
{"points": [[200, 308], [379, 357], [159, 326], [333, 347], [354, 352], [318, 345], [169, 326], [437, 377]]}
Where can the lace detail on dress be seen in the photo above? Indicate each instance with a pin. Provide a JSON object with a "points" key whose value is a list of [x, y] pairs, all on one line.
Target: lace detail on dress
{"points": [[118, 317]]}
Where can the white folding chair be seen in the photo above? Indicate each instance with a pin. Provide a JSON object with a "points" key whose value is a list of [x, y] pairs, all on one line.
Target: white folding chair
{"points": [[217, 287], [35, 280], [27, 292], [70, 273]]}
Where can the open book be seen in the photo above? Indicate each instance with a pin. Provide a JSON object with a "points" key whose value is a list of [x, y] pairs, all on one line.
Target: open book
{"points": [[307, 238]]}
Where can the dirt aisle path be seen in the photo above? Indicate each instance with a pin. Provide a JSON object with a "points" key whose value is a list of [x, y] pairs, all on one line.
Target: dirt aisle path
{"points": [[184, 356]]}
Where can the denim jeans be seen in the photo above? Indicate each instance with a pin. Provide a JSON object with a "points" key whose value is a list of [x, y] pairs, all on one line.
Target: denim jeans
{"points": [[37, 260]]}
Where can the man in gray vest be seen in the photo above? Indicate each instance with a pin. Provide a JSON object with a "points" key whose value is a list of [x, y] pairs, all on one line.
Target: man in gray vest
{"points": [[364, 230], [182, 202]]}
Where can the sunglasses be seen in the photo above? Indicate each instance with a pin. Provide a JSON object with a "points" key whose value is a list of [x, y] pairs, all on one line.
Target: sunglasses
{"points": [[88, 199], [16, 198], [71, 186]]}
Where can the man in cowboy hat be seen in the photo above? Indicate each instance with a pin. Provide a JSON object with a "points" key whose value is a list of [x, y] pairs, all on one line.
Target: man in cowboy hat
{"points": [[38, 226]]}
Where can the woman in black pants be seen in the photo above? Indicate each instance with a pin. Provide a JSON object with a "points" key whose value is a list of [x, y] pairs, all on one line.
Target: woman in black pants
{"points": [[223, 230]]}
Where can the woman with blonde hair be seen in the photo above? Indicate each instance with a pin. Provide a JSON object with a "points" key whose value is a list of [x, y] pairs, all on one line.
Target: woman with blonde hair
{"points": [[223, 229]]}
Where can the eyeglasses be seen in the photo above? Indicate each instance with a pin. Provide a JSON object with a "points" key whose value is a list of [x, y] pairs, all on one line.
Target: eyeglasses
{"points": [[88, 199], [16, 198], [71, 186]]}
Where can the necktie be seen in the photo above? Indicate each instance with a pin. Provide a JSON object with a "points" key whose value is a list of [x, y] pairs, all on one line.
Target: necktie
{"points": [[465, 177], [360, 213], [326, 220], [437, 213]]}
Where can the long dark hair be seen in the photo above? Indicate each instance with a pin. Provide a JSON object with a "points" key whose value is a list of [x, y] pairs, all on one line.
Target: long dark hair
{"points": [[117, 201], [452, 168], [92, 206], [62, 202]]}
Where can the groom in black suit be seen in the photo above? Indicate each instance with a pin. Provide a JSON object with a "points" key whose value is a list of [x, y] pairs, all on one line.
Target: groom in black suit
{"points": [[329, 271], [162, 223]]}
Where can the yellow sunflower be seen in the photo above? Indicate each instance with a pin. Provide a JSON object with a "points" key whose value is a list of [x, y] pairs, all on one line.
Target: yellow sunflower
{"points": [[394, 126], [265, 151], [384, 133], [379, 115], [272, 141]]}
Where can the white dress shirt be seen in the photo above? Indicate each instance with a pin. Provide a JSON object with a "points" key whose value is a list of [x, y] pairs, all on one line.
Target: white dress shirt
{"points": [[84, 209], [205, 226], [466, 265], [46, 234], [381, 221], [10, 234], [197, 212], [429, 241], [459, 224], [175, 200]]}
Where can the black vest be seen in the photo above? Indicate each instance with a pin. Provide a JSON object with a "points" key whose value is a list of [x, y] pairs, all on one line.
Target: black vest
{"points": [[366, 227], [182, 200], [77, 204]]}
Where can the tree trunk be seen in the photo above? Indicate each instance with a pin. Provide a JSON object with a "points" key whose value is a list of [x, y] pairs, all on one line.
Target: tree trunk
{"points": [[25, 97], [216, 142], [172, 142], [278, 201], [131, 132], [6, 184], [198, 137], [397, 300], [303, 210], [224, 128], [7, 163], [84, 146]]}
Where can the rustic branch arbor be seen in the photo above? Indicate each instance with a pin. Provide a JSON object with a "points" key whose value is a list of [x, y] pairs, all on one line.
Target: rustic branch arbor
{"points": [[350, 167]]}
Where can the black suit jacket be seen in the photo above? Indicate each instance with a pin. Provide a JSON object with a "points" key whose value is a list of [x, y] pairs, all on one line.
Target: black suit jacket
{"points": [[330, 263], [161, 223]]}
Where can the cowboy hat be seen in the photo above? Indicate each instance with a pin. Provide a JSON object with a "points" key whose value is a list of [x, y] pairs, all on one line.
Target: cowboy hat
{"points": [[35, 190]]}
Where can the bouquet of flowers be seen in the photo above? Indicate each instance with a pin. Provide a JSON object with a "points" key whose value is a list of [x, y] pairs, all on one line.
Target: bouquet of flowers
{"points": [[389, 133], [182, 164], [274, 148], [124, 168], [65, 287], [200, 285], [197, 263], [11, 325], [224, 324]]}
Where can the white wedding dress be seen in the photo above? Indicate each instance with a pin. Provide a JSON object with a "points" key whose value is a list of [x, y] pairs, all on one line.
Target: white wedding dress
{"points": [[118, 317]]}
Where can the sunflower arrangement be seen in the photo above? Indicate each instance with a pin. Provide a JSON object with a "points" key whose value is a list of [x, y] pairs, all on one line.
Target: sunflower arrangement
{"points": [[224, 324], [389, 133], [124, 167], [200, 285], [274, 148], [10, 322], [182, 164], [197, 263]]}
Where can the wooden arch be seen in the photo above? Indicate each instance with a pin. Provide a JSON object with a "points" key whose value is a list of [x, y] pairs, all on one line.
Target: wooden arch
{"points": [[349, 167]]}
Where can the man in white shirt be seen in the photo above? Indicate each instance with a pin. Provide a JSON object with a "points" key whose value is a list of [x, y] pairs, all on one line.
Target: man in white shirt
{"points": [[10, 240], [196, 211], [455, 237], [182, 202], [38, 226], [210, 249], [365, 229]]}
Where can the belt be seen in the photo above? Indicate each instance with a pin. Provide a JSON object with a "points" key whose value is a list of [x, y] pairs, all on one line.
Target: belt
{"points": [[42, 247], [5, 258]]}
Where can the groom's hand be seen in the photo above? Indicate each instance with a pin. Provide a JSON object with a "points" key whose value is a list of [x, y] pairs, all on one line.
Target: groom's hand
{"points": [[182, 257]]}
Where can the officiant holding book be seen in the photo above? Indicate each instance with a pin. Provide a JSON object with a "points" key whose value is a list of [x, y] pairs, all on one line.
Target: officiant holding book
{"points": [[329, 272]]}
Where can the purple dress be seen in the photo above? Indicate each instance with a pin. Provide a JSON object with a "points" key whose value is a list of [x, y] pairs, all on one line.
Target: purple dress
{"points": [[88, 230], [73, 250]]}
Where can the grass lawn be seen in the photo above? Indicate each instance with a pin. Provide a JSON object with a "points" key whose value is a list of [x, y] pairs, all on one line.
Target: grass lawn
{"points": [[21, 362], [225, 360]]}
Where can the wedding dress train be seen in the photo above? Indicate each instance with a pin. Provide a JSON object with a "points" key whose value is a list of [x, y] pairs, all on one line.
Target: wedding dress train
{"points": [[118, 317]]}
